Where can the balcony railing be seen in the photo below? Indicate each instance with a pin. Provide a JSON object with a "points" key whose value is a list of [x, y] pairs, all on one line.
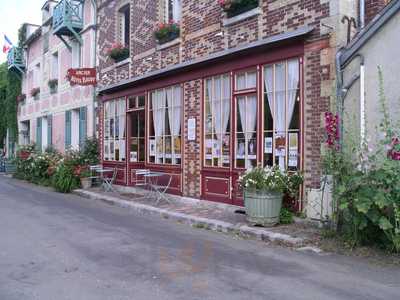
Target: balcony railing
{"points": [[68, 18], [15, 59]]}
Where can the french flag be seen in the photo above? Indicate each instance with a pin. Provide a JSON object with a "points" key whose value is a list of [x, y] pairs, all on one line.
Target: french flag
{"points": [[7, 44]]}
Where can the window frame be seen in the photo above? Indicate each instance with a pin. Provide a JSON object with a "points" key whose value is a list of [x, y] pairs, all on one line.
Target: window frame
{"points": [[149, 137], [124, 15], [112, 138], [168, 17], [220, 165], [138, 108]]}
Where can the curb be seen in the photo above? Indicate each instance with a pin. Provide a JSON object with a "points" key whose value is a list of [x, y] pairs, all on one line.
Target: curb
{"points": [[246, 231]]}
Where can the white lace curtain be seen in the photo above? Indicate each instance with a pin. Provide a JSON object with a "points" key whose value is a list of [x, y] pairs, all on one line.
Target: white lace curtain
{"points": [[278, 107], [220, 107], [158, 105], [174, 112], [248, 119]]}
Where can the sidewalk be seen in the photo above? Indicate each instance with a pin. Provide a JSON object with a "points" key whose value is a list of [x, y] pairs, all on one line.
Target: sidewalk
{"points": [[211, 216]]}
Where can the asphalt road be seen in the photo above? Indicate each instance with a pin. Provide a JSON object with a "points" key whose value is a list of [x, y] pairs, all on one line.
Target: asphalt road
{"points": [[55, 246]]}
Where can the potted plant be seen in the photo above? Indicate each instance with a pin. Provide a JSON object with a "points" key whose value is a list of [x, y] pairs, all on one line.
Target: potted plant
{"points": [[237, 7], [264, 189], [53, 85], [84, 174], [167, 32], [35, 93], [118, 52]]}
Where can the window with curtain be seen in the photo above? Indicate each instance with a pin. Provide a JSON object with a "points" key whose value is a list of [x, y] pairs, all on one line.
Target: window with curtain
{"points": [[114, 130], [246, 131], [282, 114], [217, 125], [124, 17], [173, 10], [165, 126], [246, 80]]}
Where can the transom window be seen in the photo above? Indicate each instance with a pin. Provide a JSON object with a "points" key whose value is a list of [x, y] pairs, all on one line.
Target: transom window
{"points": [[114, 130], [246, 80], [165, 126], [217, 121]]}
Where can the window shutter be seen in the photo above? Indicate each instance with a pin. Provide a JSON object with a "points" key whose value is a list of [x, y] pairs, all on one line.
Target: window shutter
{"points": [[39, 134], [49, 130], [67, 129], [82, 126]]}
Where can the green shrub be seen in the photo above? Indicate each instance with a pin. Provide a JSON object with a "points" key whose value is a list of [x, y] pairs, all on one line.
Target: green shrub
{"points": [[367, 187], [64, 180], [285, 216]]}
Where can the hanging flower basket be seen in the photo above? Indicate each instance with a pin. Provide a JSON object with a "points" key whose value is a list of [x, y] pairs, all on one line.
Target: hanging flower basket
{"points": [[237, 7], [167, 32], [118, 52], [53, 85], [35, 93]]}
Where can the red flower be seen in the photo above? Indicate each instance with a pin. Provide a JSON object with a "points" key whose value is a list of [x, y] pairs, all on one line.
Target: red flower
{"points": [[332, 129]]}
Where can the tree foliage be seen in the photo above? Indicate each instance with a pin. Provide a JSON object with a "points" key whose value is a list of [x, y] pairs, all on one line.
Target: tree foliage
{"points": [[10, 88]]}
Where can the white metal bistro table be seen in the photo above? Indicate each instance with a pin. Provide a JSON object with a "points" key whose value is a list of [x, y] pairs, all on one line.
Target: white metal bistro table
{"points": [[159, 191], [106, 182]]}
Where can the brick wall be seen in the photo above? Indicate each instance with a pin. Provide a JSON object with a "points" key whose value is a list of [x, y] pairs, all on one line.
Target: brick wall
{"points": [[192, 151], [372, 8], [202, 34]]}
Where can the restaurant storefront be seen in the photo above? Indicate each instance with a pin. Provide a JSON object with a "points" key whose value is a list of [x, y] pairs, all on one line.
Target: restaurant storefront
{"points": [[235, 111]]}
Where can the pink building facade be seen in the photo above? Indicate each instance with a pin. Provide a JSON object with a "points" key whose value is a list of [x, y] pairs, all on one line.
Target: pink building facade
{"points": [[53, 113]]}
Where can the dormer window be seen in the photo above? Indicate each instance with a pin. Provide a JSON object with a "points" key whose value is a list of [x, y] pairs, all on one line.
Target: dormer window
{"points": [[173, 10], [124, 25]]}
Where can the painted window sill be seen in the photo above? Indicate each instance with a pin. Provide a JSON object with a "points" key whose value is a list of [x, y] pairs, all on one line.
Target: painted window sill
{"points": [[169, 44], [236, 19]]}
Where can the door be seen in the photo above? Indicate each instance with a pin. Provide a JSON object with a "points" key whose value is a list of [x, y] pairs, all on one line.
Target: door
{"points": [[136, 118]]}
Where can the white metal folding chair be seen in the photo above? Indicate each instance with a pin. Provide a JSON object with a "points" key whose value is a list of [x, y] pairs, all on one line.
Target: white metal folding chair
{"points": [[109, 181], [141, 180], [161, 189]]}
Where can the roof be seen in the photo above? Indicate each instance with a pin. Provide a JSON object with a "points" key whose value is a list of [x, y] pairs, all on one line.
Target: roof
{"points": [[211, 58], [348, 52]]}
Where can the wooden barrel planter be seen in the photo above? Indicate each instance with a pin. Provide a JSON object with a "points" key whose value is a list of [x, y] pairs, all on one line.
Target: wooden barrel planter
{"points": [[263, 207]]}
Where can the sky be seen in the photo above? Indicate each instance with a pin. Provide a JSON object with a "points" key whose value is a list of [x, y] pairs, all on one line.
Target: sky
{"points": [[13, 14]]}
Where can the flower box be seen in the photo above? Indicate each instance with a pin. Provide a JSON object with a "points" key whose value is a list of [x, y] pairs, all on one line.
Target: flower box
{"points": [[167, 32], [35, 92], [118, 52], [53, 85], [237, 7]]}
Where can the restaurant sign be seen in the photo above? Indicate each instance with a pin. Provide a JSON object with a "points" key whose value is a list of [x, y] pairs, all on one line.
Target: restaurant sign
{"points": [[84, 76]]}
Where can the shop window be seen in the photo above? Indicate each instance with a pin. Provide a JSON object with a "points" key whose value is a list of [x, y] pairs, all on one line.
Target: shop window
{"points": [[124, 25], [114, 130], [173, 11], [246, 80], [217, 121], [165, 126], [246, 131], [282, 114]]}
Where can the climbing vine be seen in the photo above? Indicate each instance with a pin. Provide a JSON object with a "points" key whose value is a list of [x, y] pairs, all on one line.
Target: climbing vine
{"points": [[10, 88]]}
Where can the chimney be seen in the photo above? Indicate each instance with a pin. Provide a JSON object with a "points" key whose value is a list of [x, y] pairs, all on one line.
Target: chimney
{"points": [[372, 8]]}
